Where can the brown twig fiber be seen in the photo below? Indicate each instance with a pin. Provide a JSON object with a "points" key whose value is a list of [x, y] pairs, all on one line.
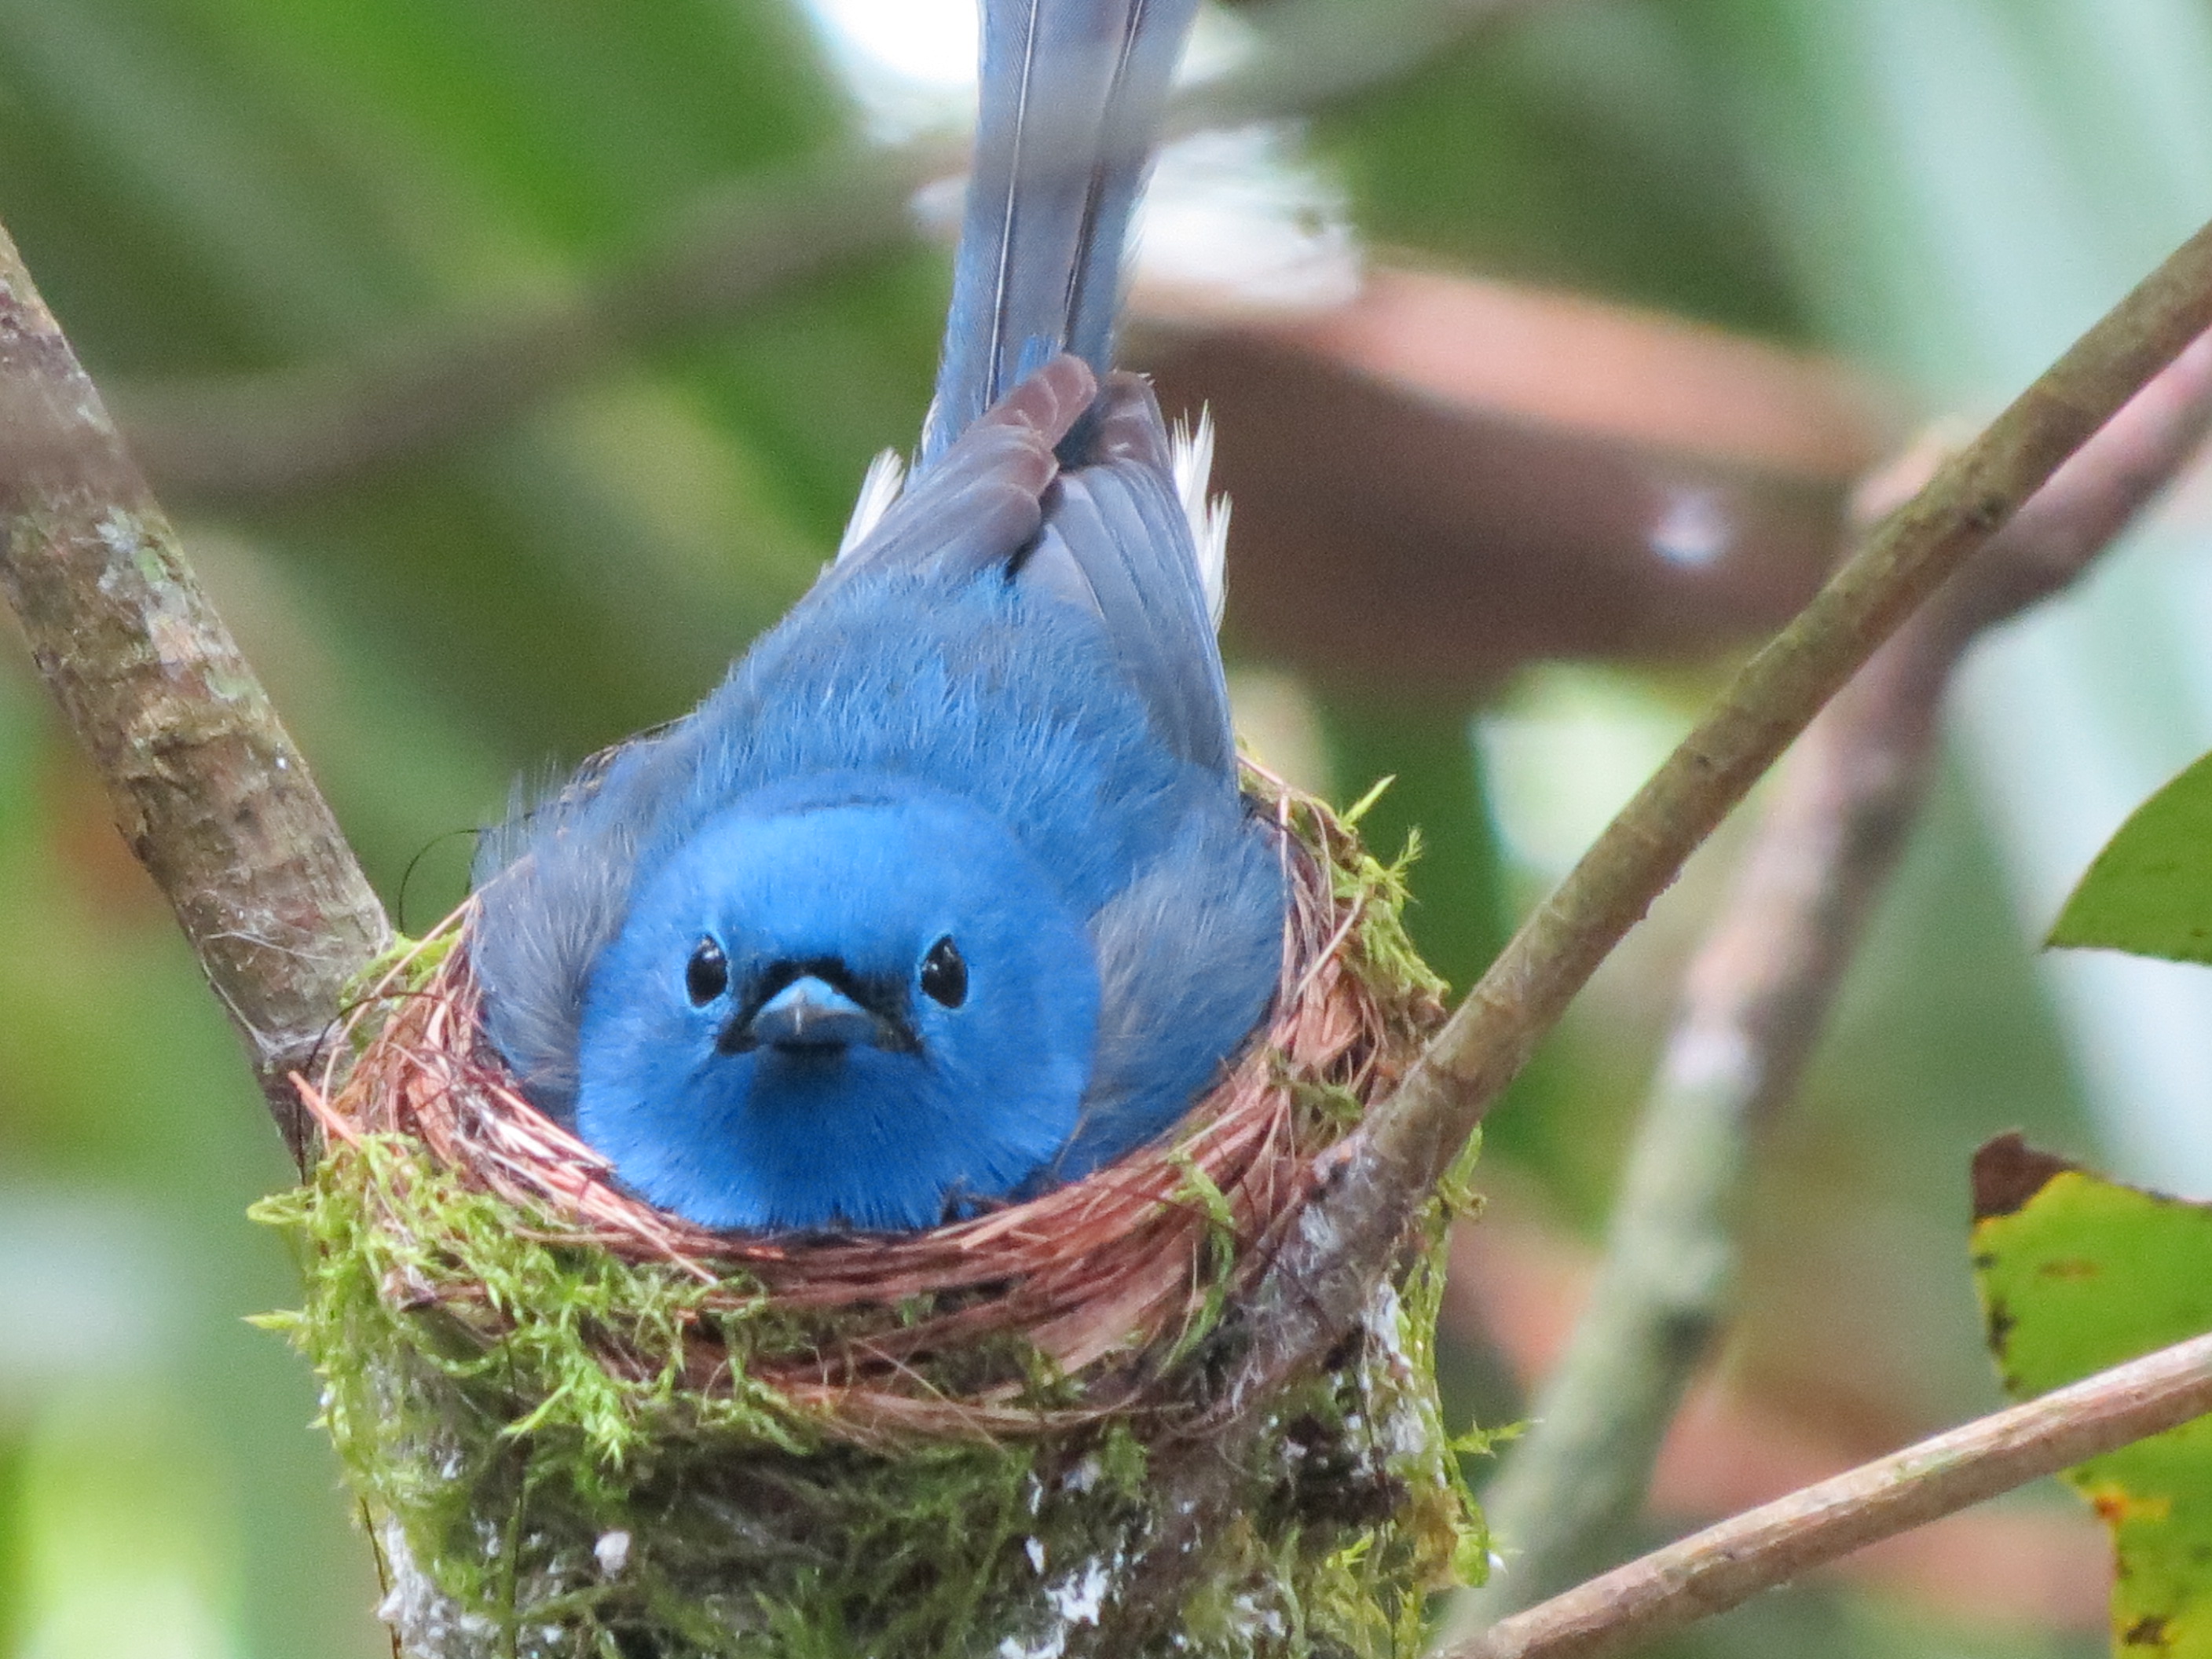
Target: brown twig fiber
{"points": [[1091, 1275], [1726, 1565]]}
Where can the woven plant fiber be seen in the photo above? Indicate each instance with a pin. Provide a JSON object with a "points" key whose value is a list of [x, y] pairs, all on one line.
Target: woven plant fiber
{"points": [[581, 1426]]}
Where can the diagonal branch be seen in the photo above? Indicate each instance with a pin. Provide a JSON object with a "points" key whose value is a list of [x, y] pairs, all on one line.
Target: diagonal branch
{"points": [[1371, 1184], [1724, 1566], [1757, 995], [1368, 1187], [206, 785]]}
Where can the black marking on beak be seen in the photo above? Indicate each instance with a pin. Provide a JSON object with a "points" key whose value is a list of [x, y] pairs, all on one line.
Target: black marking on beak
{"points": [[818, 1006]]}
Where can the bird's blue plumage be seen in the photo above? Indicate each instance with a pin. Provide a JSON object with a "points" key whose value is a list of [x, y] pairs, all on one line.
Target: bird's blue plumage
{"points": [[947, 892], [825, 898]]}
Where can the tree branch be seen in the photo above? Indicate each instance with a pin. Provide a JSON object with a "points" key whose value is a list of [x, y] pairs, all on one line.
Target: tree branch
{"points": [[1368, 1186], [206, 785], [1715, 1570], [1366, 1190], [1757, 996], [300, 429]]}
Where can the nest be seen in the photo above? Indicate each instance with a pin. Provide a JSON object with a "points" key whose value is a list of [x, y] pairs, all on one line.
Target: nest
{"points": [[1107, 1279], [580, 1426]]}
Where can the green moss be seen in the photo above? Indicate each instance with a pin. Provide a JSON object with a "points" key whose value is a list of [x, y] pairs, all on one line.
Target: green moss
{"points": [[1386, 956], [558, 1461]]}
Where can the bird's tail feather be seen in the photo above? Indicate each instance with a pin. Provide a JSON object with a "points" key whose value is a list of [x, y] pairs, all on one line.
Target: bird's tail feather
{"points": [[1073, 91]]}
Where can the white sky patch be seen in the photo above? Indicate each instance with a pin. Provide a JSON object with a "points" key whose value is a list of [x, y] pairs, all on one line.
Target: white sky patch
{"points": [[1242, 216], [905, 49], [911, 63]]}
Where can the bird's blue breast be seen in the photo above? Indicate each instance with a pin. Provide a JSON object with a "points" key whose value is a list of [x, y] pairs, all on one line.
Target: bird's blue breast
{"points": [[916, 1095]]}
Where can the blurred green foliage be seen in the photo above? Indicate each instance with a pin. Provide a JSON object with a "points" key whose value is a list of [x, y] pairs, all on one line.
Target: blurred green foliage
{"points": [[1578, 147], [210, 186]]}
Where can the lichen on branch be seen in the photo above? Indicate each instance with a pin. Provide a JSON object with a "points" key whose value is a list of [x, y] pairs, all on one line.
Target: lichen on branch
{"points": [[207, 787]]}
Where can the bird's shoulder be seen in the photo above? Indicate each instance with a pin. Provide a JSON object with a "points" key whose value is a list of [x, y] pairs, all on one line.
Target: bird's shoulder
{"points": [[969, 684]]}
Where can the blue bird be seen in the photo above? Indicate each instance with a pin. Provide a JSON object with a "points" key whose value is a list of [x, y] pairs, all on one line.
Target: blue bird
{"points": [[948, 893]]}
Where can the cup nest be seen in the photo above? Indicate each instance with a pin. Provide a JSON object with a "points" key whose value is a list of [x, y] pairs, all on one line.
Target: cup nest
{"points": [[1108, 1278]]}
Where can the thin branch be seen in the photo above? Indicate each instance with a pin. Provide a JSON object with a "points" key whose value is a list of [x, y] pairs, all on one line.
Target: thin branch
{"points": [[1368, 1185], [206, 785], [1755, 1000], [300, 429], [1366, 1190], [296, 430], [1722, 1566]]}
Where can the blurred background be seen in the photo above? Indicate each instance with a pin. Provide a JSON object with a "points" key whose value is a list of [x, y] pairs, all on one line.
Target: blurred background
{"points": [[507, 363]]}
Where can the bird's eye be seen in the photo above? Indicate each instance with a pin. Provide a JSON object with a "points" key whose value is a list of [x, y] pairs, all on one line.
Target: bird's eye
{"points": [[707, 975], [944, 973]]}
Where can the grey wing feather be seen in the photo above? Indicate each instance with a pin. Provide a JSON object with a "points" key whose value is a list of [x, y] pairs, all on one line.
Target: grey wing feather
{"points": [[982, 502], [1117, 540], [1188, 954], [552, 885]]}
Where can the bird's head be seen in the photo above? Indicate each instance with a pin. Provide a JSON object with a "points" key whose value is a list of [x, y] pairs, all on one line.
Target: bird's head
{"points": [[859, 1005]]}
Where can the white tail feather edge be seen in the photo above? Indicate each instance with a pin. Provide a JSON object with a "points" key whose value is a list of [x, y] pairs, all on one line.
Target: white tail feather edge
{"points": [[879, 488], [1191, 455]]}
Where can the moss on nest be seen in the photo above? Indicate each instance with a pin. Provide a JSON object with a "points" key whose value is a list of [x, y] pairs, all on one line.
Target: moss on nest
{"points": [[566, 1450]]}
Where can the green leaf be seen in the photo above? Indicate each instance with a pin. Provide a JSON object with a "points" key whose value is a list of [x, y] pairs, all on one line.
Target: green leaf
{"points": [[2077, 1273], [2150, 891]]}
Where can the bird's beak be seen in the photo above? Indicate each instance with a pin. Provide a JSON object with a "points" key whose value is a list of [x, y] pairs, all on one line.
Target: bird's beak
{"points": [[809, 1015]]}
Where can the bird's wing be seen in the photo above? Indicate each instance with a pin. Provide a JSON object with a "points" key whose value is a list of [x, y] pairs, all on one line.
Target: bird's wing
{"points": [[983, 502], [1111, 537], [1188, 954], [1116, 541], [552, 885], [1071, 96]]}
